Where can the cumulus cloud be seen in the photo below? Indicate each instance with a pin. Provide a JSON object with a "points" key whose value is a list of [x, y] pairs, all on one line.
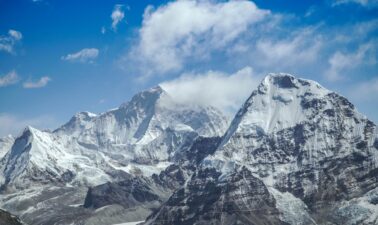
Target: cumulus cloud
{"points": [[117, 16], [37, 84], [9, 79], [192, 29], [224, 91], [86, 55], [14, 125], [8, 41], [340, 62]]}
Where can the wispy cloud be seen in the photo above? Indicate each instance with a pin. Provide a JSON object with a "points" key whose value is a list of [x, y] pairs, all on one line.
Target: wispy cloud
{"points": [[364, 3], [13, 124], [117, 16], [340, 62], [86, 55], [364, 94], [16, 35], [224, 91], [9, 79], [366, 91], [303, 45], [37, 84], [8, 41]]}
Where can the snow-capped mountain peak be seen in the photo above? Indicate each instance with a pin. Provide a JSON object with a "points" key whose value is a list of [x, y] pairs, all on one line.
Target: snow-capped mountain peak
{"points": [[292, 141], [278, 103], [92, 149], [300, 112]]}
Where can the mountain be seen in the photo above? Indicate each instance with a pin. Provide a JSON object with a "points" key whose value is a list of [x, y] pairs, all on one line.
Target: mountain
{"points": [[139, 196], [295, 153], [5, 145], [45, 170]]}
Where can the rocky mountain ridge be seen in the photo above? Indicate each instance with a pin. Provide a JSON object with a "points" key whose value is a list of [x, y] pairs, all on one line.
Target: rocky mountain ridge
{"points": [[140, 138], [307, 148]]}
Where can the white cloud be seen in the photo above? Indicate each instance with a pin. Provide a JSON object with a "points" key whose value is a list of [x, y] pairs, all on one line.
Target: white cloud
{"points": [[117, 16], [86, 55], [224, 91], [191, 29], [7, 42], [9, 78], [103, 30], [37, 84], [339, 62], [11, 124]]}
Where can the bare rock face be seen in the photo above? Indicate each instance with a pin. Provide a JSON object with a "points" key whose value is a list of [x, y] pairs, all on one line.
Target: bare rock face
{"points": [[128, 193], [148, 193], [211, 198]]}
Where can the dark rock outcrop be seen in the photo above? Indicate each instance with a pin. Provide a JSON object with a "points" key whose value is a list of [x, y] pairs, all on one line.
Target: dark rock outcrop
{"points": [[128, 193], [9, 219]]}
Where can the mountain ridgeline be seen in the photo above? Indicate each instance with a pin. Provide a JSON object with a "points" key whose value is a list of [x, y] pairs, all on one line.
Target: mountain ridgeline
{"points": [[295, 153]]}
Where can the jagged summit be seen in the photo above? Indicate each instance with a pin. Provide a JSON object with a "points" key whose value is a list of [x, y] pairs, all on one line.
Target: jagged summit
{"points": [[287, 81], [149, 96], [143, 101]]}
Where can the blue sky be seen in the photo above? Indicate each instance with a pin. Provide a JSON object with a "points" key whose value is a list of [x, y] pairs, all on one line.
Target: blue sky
{"points": [[61, 57]]}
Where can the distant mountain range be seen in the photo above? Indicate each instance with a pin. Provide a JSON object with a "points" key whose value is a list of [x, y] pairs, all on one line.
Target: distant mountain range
{"points": [[295, 153]]}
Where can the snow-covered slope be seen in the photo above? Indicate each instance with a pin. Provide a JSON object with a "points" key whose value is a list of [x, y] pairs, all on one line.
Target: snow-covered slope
{"points": [[140, 138], [295, 122], [40, 158], [314, 153], [5, 145], [141, 135], [143, 119]]}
